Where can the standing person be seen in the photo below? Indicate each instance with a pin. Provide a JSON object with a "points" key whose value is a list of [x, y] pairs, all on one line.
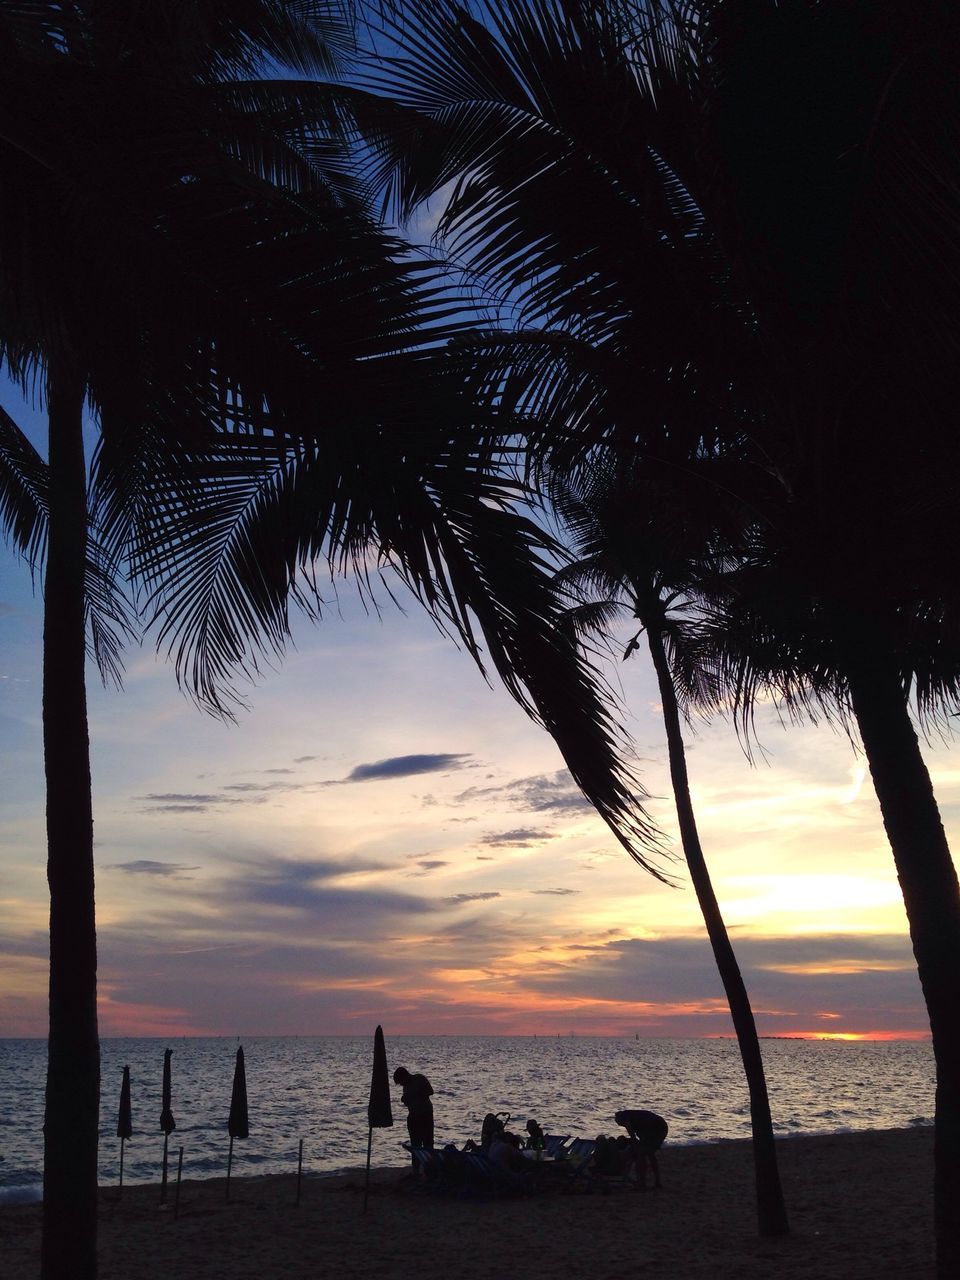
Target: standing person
{"points": [[647, 1131], [417, 1092]]}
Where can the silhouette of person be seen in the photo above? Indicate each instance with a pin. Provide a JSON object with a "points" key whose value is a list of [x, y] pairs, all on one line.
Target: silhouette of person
{"points": [[647, 1131], [417, 1092], [536, 1140], [505, 1152]]}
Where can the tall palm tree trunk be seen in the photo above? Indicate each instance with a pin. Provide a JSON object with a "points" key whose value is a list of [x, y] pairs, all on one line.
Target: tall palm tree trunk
{"points": [[69, 1247], [931, 894], [771, 1210]]}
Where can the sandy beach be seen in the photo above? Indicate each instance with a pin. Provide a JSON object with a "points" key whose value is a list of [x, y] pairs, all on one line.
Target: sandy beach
{"points": [[860, 1207]]}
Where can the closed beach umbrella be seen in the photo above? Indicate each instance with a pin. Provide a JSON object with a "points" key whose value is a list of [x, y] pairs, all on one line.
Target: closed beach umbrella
{"points": [[124, 1117], [167, 1122], [238, 1123], [379, 1110]]}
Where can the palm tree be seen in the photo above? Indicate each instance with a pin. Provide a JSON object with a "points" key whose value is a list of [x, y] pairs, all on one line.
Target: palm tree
{"points": [[748, 211], [175, 244], [642, 545], [208, 282]]}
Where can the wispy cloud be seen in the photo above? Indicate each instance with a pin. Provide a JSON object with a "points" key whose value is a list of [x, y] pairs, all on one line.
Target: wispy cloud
{"points": [[406, 766], [541, 793], [559, 893], [186, 802], [181, 797], [473, 897], [520, 838], [148, 867], [261, 788]]}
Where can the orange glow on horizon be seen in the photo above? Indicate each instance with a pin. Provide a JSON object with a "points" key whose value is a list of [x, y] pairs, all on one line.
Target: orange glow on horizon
{"points": [[853, 1035]]}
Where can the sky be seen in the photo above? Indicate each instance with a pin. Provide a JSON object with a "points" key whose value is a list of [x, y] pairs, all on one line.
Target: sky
{"points": [[384, 838]]}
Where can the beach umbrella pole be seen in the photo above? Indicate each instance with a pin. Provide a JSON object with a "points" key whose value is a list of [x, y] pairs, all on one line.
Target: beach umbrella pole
{"points": [[299, 1171], [122, 1141], [163, 1174], [366, 1185], [176, 1198], [229, 1163]]}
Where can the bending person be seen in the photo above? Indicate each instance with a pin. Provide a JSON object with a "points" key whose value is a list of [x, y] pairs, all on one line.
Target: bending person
{"points": [[647, 1131], [417, 1092]]}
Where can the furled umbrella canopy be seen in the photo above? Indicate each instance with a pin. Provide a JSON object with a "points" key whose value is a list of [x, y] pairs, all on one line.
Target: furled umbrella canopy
{"points": [[238, 1124], [167, 1122], [125, 1114], [379, 1111]]}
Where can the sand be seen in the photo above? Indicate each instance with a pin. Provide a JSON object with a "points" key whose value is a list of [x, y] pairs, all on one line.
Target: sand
{"points": [[860, 1207]]}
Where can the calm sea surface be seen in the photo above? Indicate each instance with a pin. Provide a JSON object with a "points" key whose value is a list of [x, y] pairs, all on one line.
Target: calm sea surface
{"points": [[316, 1088]]}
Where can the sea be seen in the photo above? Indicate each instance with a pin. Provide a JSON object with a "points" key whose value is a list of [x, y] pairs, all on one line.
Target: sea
{"points": [[316, 1089]]}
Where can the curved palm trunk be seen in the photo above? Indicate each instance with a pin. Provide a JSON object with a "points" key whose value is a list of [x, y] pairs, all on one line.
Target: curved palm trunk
{"points": [[771, 1210], [69, 1247], [931, 894]]}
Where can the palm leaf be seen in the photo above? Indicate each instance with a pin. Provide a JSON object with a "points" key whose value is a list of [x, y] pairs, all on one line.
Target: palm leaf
{"points": [[23, 492]]}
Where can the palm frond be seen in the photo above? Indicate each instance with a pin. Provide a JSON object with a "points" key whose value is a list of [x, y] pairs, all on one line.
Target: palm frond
{"points": [[23, 492]]}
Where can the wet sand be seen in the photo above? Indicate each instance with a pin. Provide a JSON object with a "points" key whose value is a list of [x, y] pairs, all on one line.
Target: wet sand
{"points": [[860, 1207]]}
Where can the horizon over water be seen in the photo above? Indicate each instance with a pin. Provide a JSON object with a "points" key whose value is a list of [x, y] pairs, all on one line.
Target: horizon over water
{"points": [[317, 1088]]}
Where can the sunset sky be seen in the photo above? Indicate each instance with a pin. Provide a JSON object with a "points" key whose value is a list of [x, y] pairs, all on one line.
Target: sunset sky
{"points": [[383, 838]]}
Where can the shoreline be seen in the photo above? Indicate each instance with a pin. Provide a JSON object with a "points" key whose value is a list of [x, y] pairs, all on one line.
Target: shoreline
{"points": [[860, 1206], [27, 1194]]}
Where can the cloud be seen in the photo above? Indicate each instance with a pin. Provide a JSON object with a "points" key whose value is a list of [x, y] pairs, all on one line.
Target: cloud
{"points": [[310, 903], [304, 759], [179, 797], [187, 802], [259, 788], [147, 867], [870, 980], [520, 838], [431, 864], [560, 893], [406, 766], [541, 793], [472, 897], [315, 891]]}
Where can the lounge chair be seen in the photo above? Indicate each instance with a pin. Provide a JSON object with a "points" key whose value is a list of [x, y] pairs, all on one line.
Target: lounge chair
{"points": [[611, 1165], [580, 1150], [553, 1145], [486, 1178], [428, 1165], [579, 1156]]}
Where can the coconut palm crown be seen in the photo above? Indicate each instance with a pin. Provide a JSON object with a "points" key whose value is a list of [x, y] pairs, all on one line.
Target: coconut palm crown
{"points": [[749, 213]]}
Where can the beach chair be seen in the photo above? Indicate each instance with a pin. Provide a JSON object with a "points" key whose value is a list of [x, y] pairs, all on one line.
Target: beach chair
{"points": [[606, 1167], [553, 1145], [579, 1155], [580, 1150], [486, 1178], [428, 1165]]}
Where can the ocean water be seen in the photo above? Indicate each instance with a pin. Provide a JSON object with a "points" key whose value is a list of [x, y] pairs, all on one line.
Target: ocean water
{"points": [[317, 1087]]}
